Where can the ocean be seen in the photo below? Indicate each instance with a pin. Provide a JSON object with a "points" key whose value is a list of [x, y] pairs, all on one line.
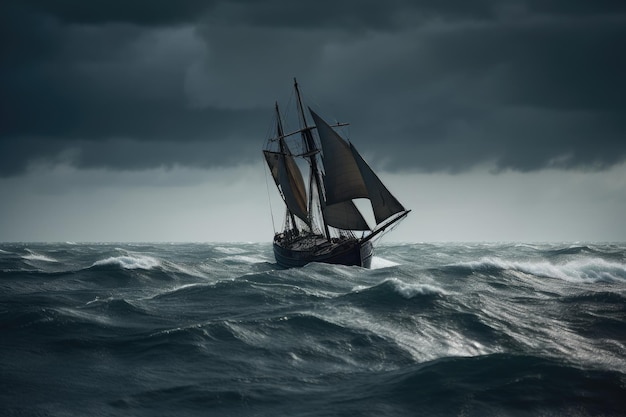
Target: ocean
{"points": [[218, 330]]}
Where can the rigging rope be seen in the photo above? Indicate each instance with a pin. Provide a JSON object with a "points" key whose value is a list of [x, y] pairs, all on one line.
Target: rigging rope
{"points": [[384, 232]]}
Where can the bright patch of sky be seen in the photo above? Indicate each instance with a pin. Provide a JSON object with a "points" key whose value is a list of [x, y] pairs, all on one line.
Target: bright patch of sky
{"points": [[233, 204]]}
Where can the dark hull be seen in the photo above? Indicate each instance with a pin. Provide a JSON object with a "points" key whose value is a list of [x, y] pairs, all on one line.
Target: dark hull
{"points": [[345, 252]]}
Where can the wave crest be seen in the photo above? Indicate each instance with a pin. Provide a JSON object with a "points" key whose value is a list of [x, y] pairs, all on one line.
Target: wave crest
{"points": [[34, 256], [130, 262], [409, 290], [580, 270]]}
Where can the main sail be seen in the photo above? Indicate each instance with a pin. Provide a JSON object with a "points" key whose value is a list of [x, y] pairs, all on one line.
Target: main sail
{"points": [[348, 176]]}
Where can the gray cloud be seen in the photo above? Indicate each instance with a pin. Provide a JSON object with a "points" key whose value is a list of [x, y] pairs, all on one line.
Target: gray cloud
{"points": [[137, 12], [439, 85]]}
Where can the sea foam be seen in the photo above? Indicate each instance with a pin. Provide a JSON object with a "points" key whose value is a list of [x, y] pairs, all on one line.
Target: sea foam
{"points": [[579, 270], [130, 262], [34, 256]]}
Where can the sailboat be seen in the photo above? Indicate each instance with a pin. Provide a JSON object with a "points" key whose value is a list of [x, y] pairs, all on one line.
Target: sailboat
{"points": [[322, 221]]}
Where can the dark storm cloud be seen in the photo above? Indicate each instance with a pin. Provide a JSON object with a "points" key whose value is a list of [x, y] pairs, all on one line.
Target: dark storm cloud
{"points": [[426, 85], [70, 84], [138, 12], [544, 92]]}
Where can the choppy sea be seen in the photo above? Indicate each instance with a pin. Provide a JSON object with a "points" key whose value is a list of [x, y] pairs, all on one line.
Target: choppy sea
{"points": [[219, 330]]}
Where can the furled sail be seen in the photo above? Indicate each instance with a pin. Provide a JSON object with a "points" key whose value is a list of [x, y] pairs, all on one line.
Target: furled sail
{"points": [[348, 176], [288, 177]]}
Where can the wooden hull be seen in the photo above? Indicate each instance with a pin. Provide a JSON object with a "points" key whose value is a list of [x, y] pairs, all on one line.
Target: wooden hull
{"points": [[343, 252]]}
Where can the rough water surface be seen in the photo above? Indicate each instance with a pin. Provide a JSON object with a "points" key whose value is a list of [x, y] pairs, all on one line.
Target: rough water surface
{"points": [[218, 329]]}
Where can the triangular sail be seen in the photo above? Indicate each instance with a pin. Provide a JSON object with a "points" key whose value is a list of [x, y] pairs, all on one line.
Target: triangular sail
{"points": [[345, 216], [348, 176], [343, 180], [384, 204], [288, 177]]}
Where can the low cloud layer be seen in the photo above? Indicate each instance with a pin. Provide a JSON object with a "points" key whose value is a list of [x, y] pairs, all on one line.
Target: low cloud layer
{"points": [[435, 86]]}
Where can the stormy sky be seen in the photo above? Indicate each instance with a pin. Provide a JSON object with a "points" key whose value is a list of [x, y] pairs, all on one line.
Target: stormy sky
{"points": [[143, 120]]}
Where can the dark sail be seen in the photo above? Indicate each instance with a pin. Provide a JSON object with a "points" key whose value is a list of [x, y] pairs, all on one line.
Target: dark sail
{"points": [[348, 176], [287, 176], [383, 202], [345, 216]]}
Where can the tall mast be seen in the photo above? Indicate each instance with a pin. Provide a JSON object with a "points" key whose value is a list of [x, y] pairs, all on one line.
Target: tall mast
{"points": [[283, 151], [309, 142]]}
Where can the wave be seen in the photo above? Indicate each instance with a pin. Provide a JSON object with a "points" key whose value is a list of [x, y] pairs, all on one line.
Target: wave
{"points": [[492, 385], [497, 384], [314, 343], [230, 250], [34, 256], [189, 292], [112, 306], [233, 296], [418, 336], [130, 262], [579, 270], [570, 250], [410, 290], [613, 251], [394, 293], [597, 298], [243, 260], [379, 263]]}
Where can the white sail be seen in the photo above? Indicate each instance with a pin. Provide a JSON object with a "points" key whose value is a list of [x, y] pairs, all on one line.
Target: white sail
{"points": [[288, 177], [348, 176]]}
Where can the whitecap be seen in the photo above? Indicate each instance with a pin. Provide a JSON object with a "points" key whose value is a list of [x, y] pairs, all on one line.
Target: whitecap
{"points": [[34, 256], [130, 262], [190, 271], [174, 290], [246, 259], [410, 290], [230, 250], [378, 263], [579, 270], [592, 270]]}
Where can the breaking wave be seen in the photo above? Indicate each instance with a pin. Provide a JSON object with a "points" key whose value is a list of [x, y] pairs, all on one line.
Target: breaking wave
{"points": [[580, 270], [34, 256], [130, 262]]}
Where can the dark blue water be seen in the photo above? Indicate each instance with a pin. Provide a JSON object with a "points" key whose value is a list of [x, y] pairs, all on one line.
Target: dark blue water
{"points": [[194, 329]]}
